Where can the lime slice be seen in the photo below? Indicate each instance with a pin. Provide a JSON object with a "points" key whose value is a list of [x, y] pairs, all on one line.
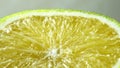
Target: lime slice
{"points": [[59, 39]]}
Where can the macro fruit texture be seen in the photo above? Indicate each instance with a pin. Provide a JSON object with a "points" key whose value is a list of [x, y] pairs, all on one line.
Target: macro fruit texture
{"points": [[59, 39]]}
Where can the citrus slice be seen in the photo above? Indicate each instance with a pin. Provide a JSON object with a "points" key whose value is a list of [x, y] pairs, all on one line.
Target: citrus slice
{"points": [[59, 39]]}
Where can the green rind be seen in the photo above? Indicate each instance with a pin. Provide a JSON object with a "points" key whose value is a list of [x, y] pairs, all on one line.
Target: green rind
{"points": [[4, 19]]}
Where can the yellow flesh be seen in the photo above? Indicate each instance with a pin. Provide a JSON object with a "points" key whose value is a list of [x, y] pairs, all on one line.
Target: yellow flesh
{"points": [[58, 42]]}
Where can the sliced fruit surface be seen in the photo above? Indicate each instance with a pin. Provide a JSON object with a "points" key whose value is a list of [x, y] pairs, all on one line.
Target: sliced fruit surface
{"points": [[59, 39]]}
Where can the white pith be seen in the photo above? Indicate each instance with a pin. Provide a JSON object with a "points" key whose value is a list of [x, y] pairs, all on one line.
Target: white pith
{"points": [[117, 65], [53, 13]]}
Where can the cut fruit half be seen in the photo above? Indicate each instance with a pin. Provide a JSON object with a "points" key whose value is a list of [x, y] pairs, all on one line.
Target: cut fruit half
{"points": [[59, 39]]}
